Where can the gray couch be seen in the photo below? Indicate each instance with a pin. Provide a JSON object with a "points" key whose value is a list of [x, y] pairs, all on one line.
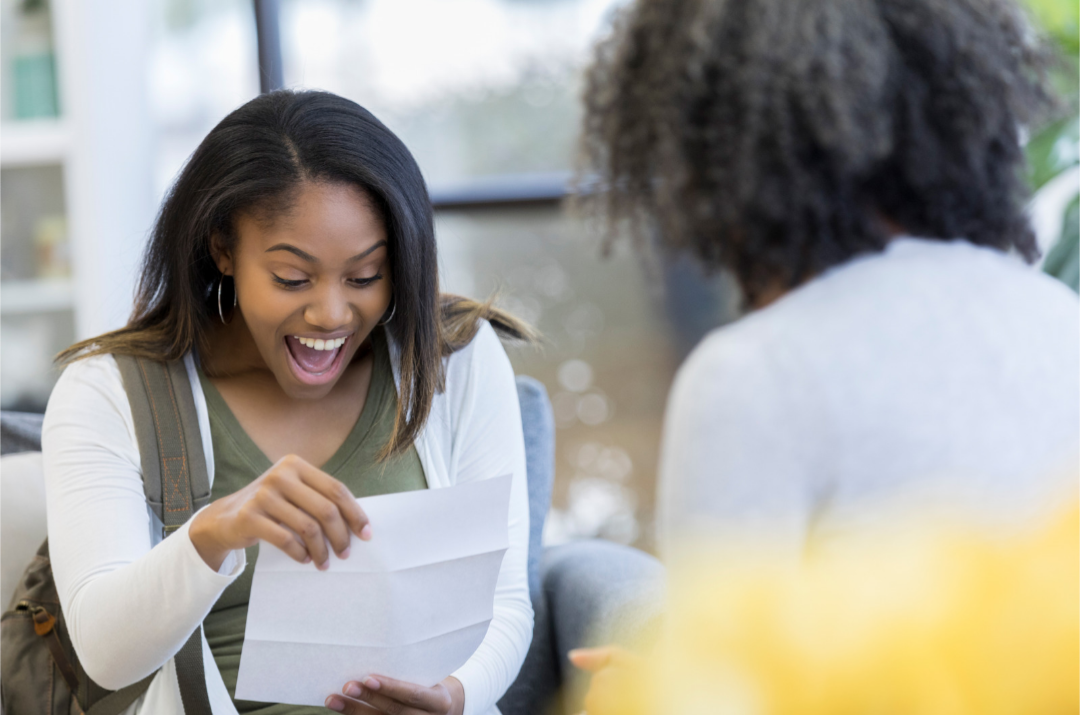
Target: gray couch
{"points": [[584, 593]]}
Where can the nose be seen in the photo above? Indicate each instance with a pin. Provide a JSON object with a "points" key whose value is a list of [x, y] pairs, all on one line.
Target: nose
{"points": [[329, 309]]}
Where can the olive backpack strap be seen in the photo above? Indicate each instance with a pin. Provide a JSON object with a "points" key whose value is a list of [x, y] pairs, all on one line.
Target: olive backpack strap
{"points": [[119, 700], [174, 477]]}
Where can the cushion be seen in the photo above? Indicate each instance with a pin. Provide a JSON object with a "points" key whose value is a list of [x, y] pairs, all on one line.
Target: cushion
{"points": [[538, 426], [20, 432], [22, 516]]}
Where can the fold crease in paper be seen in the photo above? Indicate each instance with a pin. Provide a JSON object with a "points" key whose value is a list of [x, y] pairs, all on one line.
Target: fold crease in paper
{"points": [[412, 603]]}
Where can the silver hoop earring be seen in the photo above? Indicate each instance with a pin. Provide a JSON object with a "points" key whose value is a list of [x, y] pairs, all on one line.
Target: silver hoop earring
{"points": [[220, 312], [393, 308]]}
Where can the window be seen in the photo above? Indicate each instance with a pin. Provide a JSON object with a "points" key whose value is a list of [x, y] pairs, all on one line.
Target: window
{"points": [[485, 93], [473, 87]]}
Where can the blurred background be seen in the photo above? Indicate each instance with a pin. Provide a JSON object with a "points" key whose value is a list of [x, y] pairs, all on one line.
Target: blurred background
{"points": [[102, 105]]}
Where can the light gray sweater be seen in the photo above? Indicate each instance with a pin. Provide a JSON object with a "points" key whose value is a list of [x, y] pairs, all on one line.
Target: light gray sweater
{"points": [[936, 375]]}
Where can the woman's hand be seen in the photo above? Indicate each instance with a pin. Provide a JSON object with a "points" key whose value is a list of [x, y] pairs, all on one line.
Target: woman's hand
{"points": [[617, 677], [293, 505], [382, 695]]}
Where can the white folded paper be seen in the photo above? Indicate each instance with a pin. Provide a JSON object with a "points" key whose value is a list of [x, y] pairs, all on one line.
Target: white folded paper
{"points": [[413, 603]]}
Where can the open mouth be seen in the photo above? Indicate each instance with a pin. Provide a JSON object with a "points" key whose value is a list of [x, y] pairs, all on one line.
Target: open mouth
{"points": [[316, 361]]}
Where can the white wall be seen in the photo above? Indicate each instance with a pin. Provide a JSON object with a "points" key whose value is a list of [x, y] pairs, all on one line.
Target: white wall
{"points": [[102, 73]]}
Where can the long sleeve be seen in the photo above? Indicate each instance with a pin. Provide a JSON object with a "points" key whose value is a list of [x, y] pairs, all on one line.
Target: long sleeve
{"points": [[487, 443], [130, 605], [735, 461]]}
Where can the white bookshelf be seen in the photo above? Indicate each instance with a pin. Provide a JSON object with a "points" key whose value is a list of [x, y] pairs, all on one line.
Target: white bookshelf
{"points": [[36, 295], [102, 145], [33, 142]]}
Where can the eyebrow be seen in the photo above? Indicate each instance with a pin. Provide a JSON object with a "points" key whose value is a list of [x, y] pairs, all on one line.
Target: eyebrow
{"points": [[304, 255]]}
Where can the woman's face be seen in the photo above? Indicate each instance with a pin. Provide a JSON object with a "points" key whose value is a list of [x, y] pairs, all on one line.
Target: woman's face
{"points": [[311, 284]]}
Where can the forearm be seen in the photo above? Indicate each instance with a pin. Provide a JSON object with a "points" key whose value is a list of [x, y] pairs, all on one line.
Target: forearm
{"points": [[491, 670], [209, 548], [129, 605], [125, 623], [490, 443]]}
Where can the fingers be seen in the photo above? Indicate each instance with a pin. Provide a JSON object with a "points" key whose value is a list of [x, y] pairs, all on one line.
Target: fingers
{"points": [[396, 697], [322, 520], [592, 659], [313, 504], [337, 493], [345, 507], [306, 528], [287, 541], [350, 707]]}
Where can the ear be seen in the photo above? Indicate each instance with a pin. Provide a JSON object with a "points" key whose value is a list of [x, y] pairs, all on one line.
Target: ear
{"points": [[222, 256]]}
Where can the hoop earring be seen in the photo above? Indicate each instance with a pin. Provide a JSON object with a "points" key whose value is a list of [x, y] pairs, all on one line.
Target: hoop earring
{"points": [[393, 308], [220, 312]]}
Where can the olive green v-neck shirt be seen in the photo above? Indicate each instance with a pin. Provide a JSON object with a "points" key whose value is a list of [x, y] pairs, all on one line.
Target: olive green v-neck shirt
{"points": [[238, 461]]}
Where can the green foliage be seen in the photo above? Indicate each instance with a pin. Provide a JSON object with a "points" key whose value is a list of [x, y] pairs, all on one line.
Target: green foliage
{"points": [[1053, 150], [1060, 19], [1056, 147], [1063, 261]]}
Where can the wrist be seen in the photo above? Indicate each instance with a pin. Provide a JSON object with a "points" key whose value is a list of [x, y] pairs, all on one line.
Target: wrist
{"points": [[210, 551]]}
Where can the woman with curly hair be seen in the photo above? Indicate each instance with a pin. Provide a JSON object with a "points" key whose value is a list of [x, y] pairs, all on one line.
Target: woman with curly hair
{"points": [[857, 166]]}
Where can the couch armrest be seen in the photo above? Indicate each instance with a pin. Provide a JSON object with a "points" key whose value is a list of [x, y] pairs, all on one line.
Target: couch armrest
{"points": [[593, 592], [20, 432]]}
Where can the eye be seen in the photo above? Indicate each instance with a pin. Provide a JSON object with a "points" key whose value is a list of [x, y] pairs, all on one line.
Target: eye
{"points": [[364, 282], [288, 283]]}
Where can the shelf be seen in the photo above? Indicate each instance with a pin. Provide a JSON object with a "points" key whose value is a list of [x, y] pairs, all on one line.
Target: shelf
{"points": [[33, 142], [41, 295]]}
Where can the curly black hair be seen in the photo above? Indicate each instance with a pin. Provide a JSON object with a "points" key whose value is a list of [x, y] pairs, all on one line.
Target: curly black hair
{"points": [[777, 138]]}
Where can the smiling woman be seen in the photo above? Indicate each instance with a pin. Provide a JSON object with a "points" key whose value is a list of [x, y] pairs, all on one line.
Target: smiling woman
{"points": [[249, 172], [293, 271], [300, 309]]}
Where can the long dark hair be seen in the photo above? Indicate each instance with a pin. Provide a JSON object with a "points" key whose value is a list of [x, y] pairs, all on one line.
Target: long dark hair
{"points": [[254, 160], [770, 137]]}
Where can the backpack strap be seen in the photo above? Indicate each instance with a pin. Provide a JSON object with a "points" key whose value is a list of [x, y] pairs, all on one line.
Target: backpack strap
{"points": [[174, 477], [118, 701], [170, 442]]}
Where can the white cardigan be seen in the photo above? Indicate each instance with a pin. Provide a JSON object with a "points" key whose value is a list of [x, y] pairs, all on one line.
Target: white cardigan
{"points": [[132, 599]]}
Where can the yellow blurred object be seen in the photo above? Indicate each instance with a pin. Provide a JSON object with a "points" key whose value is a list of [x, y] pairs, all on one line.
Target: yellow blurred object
{"points": [[945, 623]]}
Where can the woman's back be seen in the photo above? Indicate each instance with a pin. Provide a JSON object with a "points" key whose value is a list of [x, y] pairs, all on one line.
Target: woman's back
{"points": [[933, 373]]}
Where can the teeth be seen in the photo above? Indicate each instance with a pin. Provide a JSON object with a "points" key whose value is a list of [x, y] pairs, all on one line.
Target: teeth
{"points": [[320, 344]]}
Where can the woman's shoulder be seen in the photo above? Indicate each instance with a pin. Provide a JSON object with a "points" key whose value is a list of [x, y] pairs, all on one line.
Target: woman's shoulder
{"points": [[89, 400], [478, 379], [485, 345], [87, 376], [719, 370], [483, 354]]}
